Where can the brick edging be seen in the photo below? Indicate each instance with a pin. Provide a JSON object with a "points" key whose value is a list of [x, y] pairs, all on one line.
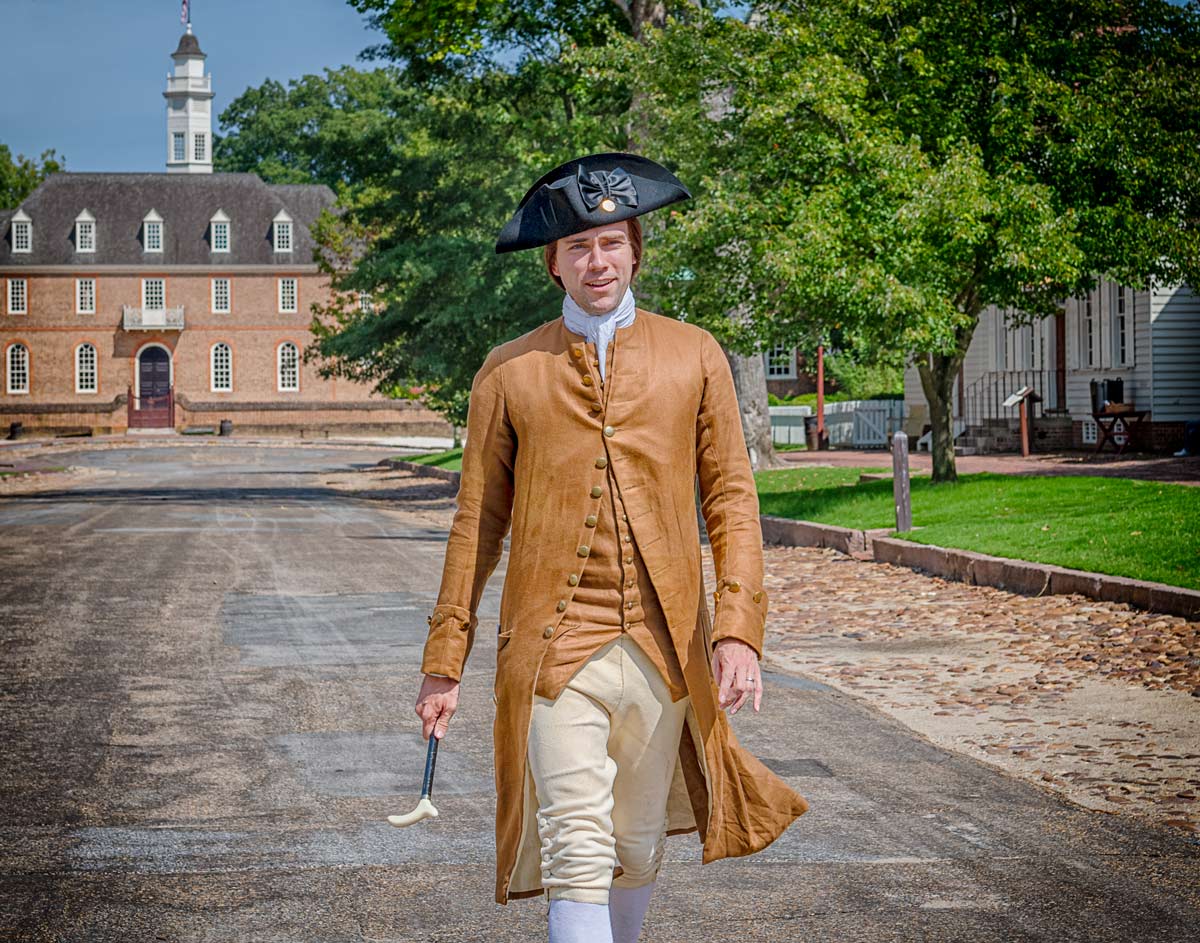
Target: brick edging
{"points": [[981, 569], [425, 471]]}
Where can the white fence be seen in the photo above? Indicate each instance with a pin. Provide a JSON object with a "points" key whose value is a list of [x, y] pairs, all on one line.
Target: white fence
{"points": [[858, 423]]}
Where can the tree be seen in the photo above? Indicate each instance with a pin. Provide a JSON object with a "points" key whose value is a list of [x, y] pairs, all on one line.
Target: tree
{"points": [[530, 41], [427, 174], [892, 168], [20, 177], [337, 128], [422, 238]]}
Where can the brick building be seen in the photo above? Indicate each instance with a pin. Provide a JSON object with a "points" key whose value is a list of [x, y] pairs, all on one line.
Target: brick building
{"points": [[173, 299]]}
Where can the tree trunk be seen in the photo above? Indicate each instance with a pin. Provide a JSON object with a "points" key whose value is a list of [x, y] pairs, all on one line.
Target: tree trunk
{"points": [[750, 381], [938, 374]]}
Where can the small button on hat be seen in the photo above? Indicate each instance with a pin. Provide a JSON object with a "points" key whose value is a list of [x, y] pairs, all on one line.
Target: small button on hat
{"points": [[586, 192]]}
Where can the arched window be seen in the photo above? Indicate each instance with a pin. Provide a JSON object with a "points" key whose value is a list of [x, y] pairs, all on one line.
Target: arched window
{"points": [[18, 369], [289, 367], [85, 369], [222, 368]]}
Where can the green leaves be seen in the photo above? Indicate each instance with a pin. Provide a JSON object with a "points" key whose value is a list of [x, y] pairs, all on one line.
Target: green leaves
{"points": [[20, 177]]}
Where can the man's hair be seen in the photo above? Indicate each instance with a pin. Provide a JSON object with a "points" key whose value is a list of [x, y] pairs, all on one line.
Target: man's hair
{"points": [[635, 240]]}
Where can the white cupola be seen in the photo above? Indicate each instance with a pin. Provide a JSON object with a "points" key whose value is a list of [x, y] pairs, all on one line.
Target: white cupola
{"points": [[189, 110]]}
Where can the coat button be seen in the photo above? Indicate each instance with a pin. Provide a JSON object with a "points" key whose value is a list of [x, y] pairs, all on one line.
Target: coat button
{"points": [[562, 604], [573, 579], [586, 381], [584, 550], [734, 586], [758, 596], [595, 407], [629, 559], [597, 491], [610, 431], [601, 462], [590, 520], [547, 631], [576, 353]]}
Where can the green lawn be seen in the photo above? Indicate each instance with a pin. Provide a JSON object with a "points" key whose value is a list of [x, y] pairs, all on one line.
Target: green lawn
{"points": [[1144, 530], [451, 459]]}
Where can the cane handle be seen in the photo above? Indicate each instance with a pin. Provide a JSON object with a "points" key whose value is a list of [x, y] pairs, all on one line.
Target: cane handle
{"points": [[425, 808]]}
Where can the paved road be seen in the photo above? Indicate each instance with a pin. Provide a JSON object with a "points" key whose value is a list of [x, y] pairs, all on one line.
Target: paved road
{"points": [[208, 666]]}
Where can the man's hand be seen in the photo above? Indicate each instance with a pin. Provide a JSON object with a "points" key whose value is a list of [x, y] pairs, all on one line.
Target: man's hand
{"points": [[436, 704], [735, 668]]}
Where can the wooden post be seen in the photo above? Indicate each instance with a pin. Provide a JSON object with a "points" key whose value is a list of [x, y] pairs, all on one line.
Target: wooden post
{"points": [[1025, 426], [820, 396], [901, 494]]}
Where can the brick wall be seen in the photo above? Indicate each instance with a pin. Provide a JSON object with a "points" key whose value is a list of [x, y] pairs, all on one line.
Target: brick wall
{"points": [[1051, 434], [254, 329], [1153, 437]]}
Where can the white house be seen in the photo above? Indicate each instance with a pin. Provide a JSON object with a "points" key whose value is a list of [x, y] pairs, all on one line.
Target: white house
{"points": [[1147, 337]]}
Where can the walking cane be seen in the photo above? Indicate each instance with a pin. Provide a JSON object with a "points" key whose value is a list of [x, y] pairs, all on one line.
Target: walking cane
{"points": [[425, 809]]}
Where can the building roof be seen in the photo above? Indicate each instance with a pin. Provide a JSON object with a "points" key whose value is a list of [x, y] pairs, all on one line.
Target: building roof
{"points": [[187, 202], [189, 45]]}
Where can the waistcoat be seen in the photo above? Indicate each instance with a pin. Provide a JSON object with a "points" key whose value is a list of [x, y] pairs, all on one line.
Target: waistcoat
{"points": [[613, 590]]}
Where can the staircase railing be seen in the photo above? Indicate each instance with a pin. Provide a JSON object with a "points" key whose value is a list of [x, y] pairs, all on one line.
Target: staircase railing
{"points": [[984, 399]]}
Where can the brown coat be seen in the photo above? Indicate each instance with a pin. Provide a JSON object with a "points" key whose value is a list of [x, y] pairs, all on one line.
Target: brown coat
{"points": [[535, 430]]}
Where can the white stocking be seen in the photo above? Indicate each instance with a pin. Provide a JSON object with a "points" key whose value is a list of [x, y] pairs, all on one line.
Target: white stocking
{"points": [[572, 921], [627, 909]]}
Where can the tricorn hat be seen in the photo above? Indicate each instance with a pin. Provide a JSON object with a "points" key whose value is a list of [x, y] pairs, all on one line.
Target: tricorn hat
{"points": [[586, 192]]}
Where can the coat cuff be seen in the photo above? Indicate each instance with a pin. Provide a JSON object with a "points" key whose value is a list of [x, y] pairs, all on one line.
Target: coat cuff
{"points": [[451, 634], [741, 612]]}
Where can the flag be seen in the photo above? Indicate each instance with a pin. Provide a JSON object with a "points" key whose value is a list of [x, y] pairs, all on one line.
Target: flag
{"points": [[184, 16]]}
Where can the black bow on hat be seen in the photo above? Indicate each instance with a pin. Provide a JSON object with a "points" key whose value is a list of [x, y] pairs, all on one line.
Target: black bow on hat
{"points": [[586, 192], [599, 185]]}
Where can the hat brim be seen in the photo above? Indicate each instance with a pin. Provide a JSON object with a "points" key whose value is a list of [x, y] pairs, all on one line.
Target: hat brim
{"points": [[554, 207]]}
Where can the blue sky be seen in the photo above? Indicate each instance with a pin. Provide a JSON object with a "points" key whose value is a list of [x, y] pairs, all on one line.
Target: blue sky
{"points": [[86, 77]]}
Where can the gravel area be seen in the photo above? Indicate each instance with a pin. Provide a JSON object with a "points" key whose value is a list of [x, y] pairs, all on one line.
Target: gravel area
{"points": [[1095, 700]]}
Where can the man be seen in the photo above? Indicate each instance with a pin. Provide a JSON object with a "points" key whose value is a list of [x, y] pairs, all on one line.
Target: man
{"points": [[586, 436]]}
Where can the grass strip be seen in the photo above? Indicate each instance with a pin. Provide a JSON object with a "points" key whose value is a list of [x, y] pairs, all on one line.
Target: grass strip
{"points": [[450, 459], [1139, 529]]}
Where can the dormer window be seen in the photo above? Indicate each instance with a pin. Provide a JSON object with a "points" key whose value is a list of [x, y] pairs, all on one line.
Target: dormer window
{"points": [[22, 232], [85, 232], [283, 232], [219, 232], [152, 232]]}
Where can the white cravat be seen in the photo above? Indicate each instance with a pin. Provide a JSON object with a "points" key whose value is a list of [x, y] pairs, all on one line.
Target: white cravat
{"points": [[599, 328]]}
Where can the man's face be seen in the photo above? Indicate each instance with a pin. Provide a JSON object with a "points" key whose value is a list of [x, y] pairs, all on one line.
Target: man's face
{"points": [[596, 266]]}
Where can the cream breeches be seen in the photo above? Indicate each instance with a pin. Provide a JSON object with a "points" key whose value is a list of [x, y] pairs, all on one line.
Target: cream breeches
{"points": [[602, 755]]}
